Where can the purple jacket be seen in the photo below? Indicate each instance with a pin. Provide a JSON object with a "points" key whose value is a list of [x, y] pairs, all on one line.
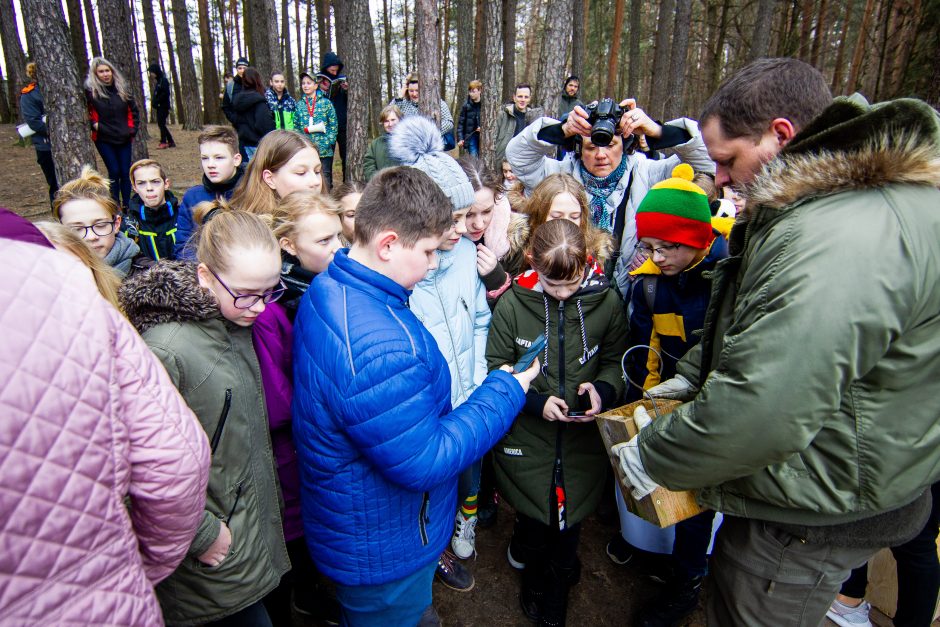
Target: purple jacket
{"points": [[103, 467], [274, 339]]}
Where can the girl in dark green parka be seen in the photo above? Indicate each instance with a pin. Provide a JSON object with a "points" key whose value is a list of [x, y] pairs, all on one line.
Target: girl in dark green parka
{"points": [[551, 466]]}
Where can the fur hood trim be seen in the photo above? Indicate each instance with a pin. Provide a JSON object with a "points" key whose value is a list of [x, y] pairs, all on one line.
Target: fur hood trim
{"points": [[168, 292], [853, 146], [414, 137], [599, 243]]}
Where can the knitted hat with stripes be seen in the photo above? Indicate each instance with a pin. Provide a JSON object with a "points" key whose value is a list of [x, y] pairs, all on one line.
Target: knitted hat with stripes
{"points": [[676, 210]]}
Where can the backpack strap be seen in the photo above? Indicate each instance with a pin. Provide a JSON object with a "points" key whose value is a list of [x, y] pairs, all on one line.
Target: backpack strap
{"points": [[649, 290]]}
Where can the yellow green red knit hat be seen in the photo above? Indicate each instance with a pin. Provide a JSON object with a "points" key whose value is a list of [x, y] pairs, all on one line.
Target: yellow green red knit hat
{"points": [[676, 210]]}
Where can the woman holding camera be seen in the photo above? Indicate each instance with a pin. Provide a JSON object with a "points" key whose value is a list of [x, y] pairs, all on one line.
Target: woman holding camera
{"points": [[615, 176]]}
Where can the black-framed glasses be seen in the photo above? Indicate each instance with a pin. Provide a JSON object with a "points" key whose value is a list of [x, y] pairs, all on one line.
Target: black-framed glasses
{"points": [[98, 228], [663, 251], [247, 301]]}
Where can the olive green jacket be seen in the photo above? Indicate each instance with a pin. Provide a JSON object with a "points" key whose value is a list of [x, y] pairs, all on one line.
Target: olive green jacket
{"points": [[586, 339], [213, 364], [820, 359]]}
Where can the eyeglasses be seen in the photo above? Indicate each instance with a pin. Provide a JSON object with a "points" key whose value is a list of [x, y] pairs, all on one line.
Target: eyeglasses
{"points": [[662, 251], [98, 228], [247, 301]]}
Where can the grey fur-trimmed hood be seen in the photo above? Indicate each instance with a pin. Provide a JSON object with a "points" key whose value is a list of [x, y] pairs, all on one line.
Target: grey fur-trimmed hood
{"points": [[167, 292]]}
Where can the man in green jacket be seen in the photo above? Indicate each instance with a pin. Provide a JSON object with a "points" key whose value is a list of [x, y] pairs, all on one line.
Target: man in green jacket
{"points": [[512, 118], [812, 421]]}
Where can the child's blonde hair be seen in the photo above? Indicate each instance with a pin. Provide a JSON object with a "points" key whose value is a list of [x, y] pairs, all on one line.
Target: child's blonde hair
{"points": [[274, 151], [224, 230], [146, 163], [540, 203], [90, 185], [295, 207], [65, 239], [219, 134], [558, 250]]}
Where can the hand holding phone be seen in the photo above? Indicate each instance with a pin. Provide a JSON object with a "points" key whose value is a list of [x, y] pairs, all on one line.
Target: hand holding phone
{"points": [[537, 346]]}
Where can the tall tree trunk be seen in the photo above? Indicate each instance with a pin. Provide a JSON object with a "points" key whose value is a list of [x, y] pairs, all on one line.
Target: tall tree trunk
{"points": [[374, 84], [118, 46], [718, 60], [239, 48], [675, 101], [479, 58], [212, 109], [189, 104], [150, 31], [264, 48], [908, 40], [92, 26], [387, 49], [66, 117], [636, 36], [6, 114], [491, 30], [819, 41], [353, 21], [661, 58], [860, 45], [553, 56], [445, 50], [579, 18], [464, 28], [226, 38], [509, 49], [174, 73], [613, 61], [323, 29], [760, 40], [287, 65], [77, 32], [404, 35], [806, 28], [839, 70], [308, 35], [13, 53], [428, 56]]}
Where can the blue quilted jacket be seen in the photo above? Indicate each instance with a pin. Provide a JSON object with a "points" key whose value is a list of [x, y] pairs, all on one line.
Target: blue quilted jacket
{"points": [[380, 447]]}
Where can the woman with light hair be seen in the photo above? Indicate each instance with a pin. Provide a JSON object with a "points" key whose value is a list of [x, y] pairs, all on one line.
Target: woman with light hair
{"points": [[114, 118]]}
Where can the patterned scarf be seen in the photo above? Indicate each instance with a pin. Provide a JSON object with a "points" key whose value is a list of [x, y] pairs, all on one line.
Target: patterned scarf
{"points": [[599, 189]]}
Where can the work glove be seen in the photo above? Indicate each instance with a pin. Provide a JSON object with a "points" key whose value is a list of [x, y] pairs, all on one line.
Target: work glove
{"points": [[678, 389], [629, 455], [319, 127]]}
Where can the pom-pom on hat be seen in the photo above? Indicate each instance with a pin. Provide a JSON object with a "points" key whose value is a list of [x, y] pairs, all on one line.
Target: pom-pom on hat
{"points": [[676, 210], [416, 142]]}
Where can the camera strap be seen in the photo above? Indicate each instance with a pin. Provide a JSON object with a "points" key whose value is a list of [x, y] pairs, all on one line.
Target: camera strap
{"points": [[619, 219]]}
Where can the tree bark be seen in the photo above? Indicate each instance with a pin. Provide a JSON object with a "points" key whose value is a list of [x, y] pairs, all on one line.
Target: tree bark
{"points": [[428, 56], [636, 36], [464, 29], [675, 101], [171, 55], [554, 55], [374, 83], [118, 47], [479, 58], [579, 18], [509, 48], [445, 49], [287, 62], [819, 41], [66, 111], [308, 35], [77, 32], [387, 49], [661, 58], [760, 40], [860, 44], [300, 52], [613, 61], [492, 30], [404, 35], [806, 28], [839, 70], [323, 30], [353, 26], [212, 109], [189, 104], [264, 48], [150, 32], [92, 26], [6, 114], [13, 53], [226, 36]]}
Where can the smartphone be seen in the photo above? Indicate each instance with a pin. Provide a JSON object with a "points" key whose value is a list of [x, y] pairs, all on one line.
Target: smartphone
{"points": [[583, 405], [577, 414], [538, 345]]}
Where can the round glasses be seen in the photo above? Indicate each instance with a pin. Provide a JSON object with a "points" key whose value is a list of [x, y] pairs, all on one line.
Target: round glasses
{"points": [[98, 228], [247, 301], [663, 251]]}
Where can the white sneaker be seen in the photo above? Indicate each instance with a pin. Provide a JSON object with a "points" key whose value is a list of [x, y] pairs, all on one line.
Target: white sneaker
{"points": [[848, 616], [465, 535]]}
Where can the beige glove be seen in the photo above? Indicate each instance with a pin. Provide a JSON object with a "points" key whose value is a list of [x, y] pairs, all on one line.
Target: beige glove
{"points": [[678, 388], [629, 455]]}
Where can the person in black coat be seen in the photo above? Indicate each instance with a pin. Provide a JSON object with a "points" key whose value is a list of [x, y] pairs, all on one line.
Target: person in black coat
{"points": [[160, 97], [34, 115], [468, 124], [253, 117], [337, 90], [114, 118]]}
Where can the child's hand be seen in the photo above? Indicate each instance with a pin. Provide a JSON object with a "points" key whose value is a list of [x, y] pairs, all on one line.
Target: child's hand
{"points": [[216, 553], [555, 409], [486, 260], [525, 377], [591, 391]]}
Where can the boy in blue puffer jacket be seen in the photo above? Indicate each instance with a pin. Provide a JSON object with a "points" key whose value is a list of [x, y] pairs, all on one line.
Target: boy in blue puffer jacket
{"points": [[378, 442]]}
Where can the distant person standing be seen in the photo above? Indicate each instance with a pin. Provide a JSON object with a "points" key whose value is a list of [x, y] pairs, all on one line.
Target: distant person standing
{"points": [[282, 105], [253, 118], [512, 118], [334, 84], [468, 123], [160, 97], [407, 102], [114, 118], [569, 100], [34, 115], [233, 87]]}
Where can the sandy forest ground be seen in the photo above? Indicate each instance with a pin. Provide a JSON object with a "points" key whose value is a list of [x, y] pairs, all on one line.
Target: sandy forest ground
{"points": [[607, 595]]}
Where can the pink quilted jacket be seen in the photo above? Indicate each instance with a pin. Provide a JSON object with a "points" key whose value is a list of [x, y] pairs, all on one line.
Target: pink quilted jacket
{"points": [[103, 468]]}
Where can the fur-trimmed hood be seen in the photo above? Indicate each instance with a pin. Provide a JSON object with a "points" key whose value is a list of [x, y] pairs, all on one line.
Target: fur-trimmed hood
{"points": [[852, 145], [168, 292], [599, 243]]}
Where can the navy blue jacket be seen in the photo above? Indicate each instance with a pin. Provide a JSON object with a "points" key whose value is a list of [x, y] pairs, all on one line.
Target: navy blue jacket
{"points": [[379, 446], [208, 191], [32, 109]]}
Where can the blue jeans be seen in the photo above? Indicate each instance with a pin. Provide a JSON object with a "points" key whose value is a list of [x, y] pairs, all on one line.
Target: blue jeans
{"points": [[472, 144], [399, 602], [117, 160], [468, 484]]}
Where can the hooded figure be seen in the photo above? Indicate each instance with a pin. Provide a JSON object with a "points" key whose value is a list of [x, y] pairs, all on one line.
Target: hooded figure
{"points": [[160, 99]]}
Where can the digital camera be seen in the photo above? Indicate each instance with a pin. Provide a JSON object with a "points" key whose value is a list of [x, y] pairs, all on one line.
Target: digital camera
{"points": [[604, 116]]}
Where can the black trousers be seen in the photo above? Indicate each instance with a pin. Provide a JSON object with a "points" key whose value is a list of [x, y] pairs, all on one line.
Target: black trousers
{"points": [[44, 159], [165, 137], [341, 139]]}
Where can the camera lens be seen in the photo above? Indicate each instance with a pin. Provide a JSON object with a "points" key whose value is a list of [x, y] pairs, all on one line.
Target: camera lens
{"points": [[602, 133]]}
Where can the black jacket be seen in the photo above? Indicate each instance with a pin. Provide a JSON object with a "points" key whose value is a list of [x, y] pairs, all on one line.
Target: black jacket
{"points": [[339, 97], [118, 120], [161, 89], [469, 119], [155, 227], [32, 109], [229, 95], [253, 117]]}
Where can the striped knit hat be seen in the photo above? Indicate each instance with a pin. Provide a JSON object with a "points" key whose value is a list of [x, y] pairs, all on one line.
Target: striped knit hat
{"points": [[676, 210]]}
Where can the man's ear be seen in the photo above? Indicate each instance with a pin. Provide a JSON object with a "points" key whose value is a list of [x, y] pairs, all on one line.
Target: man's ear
{"points": [[384, 244], [783, 130]]}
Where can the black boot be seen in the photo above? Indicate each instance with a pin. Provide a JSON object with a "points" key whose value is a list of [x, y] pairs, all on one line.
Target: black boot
{"points": [[555, 605], [679, 599]]}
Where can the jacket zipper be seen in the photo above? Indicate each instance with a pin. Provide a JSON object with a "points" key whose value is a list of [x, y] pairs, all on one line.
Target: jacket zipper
{"points": [[238, 493], [217, 435], [453, 343], [424, 519], [558, 470]]}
